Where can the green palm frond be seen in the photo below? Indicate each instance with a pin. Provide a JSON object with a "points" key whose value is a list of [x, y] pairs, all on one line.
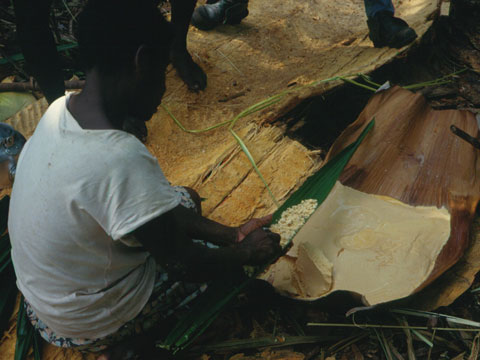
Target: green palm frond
{"points": [[319, 185], [7, 274], [219, 294], [26, 336]]}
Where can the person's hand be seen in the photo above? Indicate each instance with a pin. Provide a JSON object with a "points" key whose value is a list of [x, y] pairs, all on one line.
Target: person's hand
{"points": [[260, 246], [252, 225]]}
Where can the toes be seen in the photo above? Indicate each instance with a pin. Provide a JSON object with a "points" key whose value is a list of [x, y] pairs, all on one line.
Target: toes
{"points": [[190, 73], [195, 78]]}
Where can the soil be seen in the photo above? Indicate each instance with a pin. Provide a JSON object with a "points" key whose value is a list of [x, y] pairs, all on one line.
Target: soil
{"points": [[444, 50]]}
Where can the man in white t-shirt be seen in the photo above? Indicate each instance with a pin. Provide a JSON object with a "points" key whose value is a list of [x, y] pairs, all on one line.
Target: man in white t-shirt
{"points": [[101, 242]]}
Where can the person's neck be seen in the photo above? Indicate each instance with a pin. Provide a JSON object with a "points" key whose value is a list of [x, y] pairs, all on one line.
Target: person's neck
{"points": [[86, 106]]}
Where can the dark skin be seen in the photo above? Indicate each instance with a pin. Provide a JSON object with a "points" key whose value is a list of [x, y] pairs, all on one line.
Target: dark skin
{"points": [[187, 69], [202, 263], [169, 237], [38, 46]]}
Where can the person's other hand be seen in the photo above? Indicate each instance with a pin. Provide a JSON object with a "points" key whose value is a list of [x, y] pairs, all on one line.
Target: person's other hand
{"points": [[260, 246], [252, 225]]}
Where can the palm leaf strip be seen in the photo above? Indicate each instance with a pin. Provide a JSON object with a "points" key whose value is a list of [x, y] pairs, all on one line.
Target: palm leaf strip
{"points": [[219, 294]]}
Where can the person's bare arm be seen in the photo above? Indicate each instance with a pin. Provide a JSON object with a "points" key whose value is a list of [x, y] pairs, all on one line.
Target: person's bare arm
{"points": [[199, 227], [167, 238]]}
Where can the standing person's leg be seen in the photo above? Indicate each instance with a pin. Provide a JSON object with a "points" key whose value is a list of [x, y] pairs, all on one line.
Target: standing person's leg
{"points": [[385, 29], [187, 69], [374, 6], [38, 46]]}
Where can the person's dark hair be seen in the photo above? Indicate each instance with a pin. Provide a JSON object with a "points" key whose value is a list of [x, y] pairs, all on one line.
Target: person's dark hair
{"points": [[110, 32]]}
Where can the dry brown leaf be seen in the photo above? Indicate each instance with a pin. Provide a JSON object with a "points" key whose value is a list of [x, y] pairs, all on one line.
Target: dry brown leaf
{"points": [[356, 352], [286, 355], [239, 356]]}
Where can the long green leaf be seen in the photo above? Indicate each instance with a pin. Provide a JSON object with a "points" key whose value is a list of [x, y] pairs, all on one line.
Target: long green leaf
{"points": [[219, 294], [7, 296], [26, 336], [4, 205], [7, 274], [5, 258], [4, 265], [37, 355], [381, 326], [254, 165], [428, 314], [423, 338], [4, 244], [319, 185], [25, 333], [271, 341], [384, 344]]}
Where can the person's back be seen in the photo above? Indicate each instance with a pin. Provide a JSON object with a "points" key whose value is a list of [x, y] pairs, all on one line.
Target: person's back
{"points": [[66, 262]]}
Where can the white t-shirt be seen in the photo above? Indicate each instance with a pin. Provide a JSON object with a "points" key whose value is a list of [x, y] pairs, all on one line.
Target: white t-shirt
{"points": [[76, 194]]}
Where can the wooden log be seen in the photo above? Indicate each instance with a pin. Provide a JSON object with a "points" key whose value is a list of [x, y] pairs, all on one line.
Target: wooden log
{"points": [[33, 86]]}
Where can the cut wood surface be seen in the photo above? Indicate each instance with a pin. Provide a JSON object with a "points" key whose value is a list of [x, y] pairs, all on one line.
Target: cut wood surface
{"points": [[280, 45], [411, 155]]}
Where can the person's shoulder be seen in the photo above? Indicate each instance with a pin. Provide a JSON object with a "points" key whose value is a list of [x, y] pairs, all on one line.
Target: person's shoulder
{"points": [[121, 143], [122, 147], [54, 111]]}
